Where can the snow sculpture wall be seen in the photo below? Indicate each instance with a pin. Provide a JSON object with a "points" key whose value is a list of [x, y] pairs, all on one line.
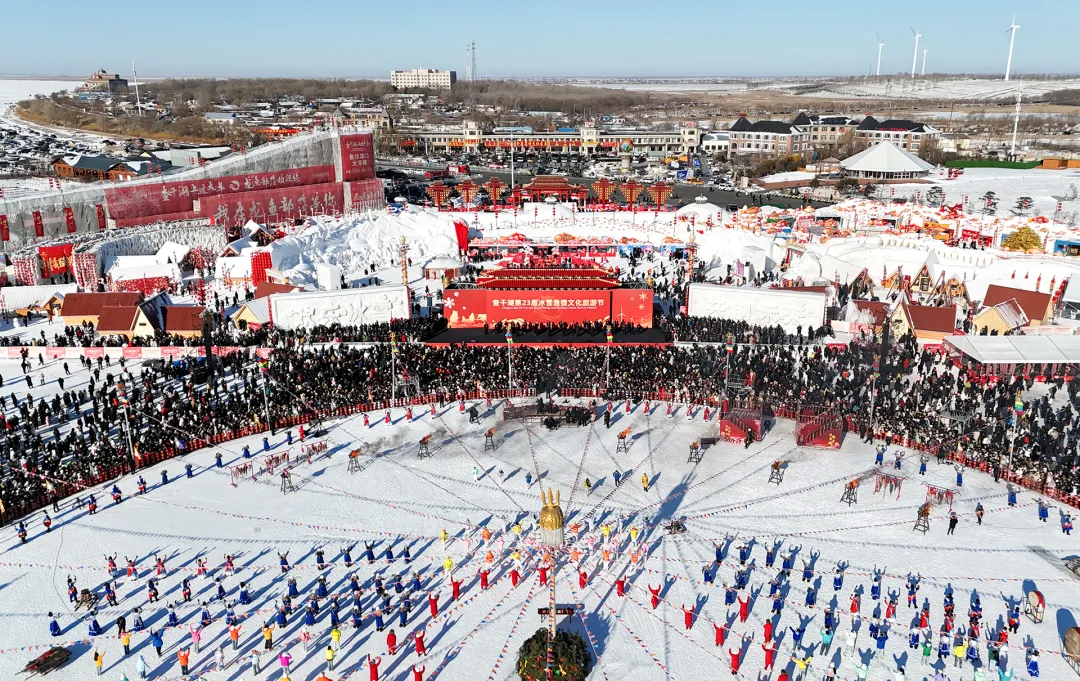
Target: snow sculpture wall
{"points": [[368, 305], [761, 307]]}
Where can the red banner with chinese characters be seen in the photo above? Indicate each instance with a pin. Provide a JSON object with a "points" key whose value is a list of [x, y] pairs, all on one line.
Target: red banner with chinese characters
{"points": [[39, 224], [5, 229], [162, 198], [273, 205], [357, 157], [54, 259], [472, 308], [69, 219], [100, 216], [367, 194]]}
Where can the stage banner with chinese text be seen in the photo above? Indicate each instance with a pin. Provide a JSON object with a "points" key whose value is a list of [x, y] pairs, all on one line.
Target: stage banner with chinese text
{"points": [[5, 229], [466, 309], [39, 224], [69, 219], [100, 216]]}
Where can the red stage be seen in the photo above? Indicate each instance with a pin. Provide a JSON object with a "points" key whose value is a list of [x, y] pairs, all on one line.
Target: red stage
{"points": [[545, 296]]}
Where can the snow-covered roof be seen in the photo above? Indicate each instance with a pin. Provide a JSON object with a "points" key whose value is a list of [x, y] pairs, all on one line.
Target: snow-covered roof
{"points": [[260, 308], [123, 262], [443, 263], [701, 209], [170, 271], [171, 251], [233, 268], [1018, 349], [1072, 291], [19, 297], [885, 158]]}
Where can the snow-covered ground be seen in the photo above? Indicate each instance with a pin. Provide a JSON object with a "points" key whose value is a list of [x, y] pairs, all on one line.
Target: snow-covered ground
{"points": [[1046, 187], [399, 500], [957, 88], [12, 91], [895, 87]]}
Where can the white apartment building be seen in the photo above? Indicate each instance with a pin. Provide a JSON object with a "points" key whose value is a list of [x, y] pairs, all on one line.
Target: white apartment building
{"points": [[430, 79]]}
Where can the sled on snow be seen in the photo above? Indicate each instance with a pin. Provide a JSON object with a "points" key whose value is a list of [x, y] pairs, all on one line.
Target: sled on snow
{"points": [[50, 660], [675, 527], [1074, 565], [87, 599]]}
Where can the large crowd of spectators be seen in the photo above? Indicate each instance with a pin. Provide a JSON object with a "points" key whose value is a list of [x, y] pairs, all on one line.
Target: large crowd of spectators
{"points": [[75, 434]]}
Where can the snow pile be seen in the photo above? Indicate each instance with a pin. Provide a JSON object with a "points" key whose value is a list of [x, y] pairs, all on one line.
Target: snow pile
{"points": [[354, 242]]}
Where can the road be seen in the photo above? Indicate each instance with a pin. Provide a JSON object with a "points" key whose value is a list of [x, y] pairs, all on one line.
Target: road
{"points": [[686, 192]]}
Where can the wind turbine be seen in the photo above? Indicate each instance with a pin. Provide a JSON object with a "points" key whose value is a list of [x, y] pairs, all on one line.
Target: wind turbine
{"points": [[925, 50], [880, 44], [915, 54], [1012, 38]]}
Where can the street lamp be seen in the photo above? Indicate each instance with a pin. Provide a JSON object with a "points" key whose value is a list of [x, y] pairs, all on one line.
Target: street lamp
{"points": [[207, 318], [552, 536]]}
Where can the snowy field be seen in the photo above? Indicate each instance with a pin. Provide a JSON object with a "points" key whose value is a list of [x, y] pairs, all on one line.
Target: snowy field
{"points": [[12, 91], [397, 500], [895, 87], [959, 88], [1046, 187]]}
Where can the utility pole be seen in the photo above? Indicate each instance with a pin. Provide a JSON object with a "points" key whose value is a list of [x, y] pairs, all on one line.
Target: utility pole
{"points": [[138, 102], [265, 369]]}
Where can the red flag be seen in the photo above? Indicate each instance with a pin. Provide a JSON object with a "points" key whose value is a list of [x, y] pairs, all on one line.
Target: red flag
{"points": [[100, 216], [5, 230], [69, 218], [39, 224]]}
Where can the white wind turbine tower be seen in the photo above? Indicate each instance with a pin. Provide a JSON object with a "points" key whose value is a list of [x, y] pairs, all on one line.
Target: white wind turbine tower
{"points": [[925, 50], [915, 54], [1012, 38], [880, 44]]}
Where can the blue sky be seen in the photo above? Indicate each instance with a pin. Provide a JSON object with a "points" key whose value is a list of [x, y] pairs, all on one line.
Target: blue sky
{"points": [[547, 38]]}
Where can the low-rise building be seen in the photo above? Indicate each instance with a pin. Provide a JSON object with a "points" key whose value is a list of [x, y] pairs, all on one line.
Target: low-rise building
{"points": [[1000, 319], [100, 81], [771, 138], [127, 321], [825, 130], [183, 320], [428, 79], [79, 308], [905, 134], [925, 322], [715, 142], [589, 140], [1037, 306]]}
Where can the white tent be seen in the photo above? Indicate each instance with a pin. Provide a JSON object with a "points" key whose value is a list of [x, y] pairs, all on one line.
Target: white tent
{"points": [[1018, 349], [884, 161], [702, 210]]}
